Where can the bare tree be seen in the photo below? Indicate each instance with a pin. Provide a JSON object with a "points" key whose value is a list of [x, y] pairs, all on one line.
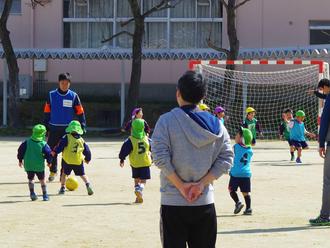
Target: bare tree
{"points": [[13, 92], [230, 6], [232, 53], [139, 21]]}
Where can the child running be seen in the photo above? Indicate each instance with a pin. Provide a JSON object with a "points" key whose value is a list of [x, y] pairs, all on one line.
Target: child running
{"points": [[137, 146], [74, 152], [220, 113], [240, 173], [137, 113], [252, 124], [33, 152], [297, 135], [284, 129]]}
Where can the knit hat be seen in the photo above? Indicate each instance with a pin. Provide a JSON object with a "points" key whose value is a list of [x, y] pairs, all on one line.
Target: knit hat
{"points": [[300, 113], [135, 111], [138, 129], [74, 126], [219, 109], [39, 132], [246, 136]]}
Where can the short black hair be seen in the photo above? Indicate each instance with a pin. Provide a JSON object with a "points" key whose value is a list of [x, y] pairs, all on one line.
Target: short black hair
{"points": [[323, 82], [288, 110], [64, 76], [192, 87]]}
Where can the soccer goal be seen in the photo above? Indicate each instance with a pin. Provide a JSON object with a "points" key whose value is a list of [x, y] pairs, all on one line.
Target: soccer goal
{"points": [[269, 86]]}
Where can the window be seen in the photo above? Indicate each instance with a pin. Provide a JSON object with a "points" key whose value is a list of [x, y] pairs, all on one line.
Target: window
{"points": [[319, 32], [16, 7], [186, 26]]}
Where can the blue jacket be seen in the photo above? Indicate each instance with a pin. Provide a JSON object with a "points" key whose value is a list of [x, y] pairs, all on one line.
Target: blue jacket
{"points": [[325, 121], [297, 132]]}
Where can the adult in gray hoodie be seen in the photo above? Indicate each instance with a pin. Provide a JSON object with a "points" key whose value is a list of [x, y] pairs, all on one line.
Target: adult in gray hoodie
{"points": [[192, 149]]}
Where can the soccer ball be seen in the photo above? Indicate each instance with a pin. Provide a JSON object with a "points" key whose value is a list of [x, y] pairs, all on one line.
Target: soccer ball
{"points": [[71, 183]]}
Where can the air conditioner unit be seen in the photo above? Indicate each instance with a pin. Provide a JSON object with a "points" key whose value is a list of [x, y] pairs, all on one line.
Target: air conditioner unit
{"points": [[25, 86]]}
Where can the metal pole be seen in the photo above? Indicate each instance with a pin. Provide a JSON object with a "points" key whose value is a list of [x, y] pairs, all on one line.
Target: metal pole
{"points": [[244, 93], [5, 93], [122, 92]]}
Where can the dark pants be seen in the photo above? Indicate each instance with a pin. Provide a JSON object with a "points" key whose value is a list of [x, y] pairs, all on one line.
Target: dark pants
{"points": [[54, 136], [194, 226]]}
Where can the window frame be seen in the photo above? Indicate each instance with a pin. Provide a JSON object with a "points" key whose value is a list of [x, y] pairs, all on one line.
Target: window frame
{"points": [[168, 20]]}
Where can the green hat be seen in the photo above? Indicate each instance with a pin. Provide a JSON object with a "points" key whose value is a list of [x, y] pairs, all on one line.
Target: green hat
{"points": [[138, 129], [39, 132], [300, 113], [246, 136], [74, 127]]}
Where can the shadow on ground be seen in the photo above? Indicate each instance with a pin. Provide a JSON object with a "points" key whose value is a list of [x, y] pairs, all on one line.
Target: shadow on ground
{"points": [[272, 230]]}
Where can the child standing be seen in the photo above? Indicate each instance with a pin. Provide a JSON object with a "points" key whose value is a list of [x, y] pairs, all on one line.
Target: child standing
{"points": [[220, 113], [74, 149], [137, 113], [252, 124], [240, 173], [203, 107], [284, 129], [297, 135], [137, 146], [34, 151]]}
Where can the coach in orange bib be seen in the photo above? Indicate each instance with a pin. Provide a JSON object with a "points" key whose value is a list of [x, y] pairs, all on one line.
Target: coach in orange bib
{"points": [[60, 109]]}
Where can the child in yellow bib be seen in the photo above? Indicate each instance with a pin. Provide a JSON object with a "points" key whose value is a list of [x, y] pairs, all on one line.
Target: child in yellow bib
{"points": [[137, 147], [74, 152]]}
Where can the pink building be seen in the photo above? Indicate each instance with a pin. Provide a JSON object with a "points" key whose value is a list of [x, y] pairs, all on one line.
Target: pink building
{"points": [[184, 29]]}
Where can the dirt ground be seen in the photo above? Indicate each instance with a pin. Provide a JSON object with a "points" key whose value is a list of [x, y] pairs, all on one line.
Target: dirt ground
{"points": [[284, 197]]}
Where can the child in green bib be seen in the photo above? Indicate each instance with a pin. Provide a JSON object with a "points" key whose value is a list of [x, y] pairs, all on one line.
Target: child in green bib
{"points": [[137, 147], [74, 152], [32, 153], [252, 124]]}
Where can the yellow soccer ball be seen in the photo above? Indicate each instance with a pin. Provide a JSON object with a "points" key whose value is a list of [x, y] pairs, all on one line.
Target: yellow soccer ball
{"points": [[71, 183]]}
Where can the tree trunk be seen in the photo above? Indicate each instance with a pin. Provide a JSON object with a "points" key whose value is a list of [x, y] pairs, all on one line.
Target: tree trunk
{"points": [[134, 87], [13, 69]]}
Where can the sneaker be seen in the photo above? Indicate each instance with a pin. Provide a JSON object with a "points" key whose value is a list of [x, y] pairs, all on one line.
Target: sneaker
{"points": [[139, 198], [61, 191], [238, 207], [298, 161], [320, 221], [52, 176], [292, 158], [248, 211], [89, 190], [45, 197], [33, 196]]}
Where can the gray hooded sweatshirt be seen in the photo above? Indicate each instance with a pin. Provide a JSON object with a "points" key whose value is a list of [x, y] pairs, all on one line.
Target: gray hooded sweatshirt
{"points": [[181, 145]]}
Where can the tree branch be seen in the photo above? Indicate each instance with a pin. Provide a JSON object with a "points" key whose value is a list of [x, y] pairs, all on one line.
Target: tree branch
{"points": [[240, 4], [224, 3], [42, 3], [164, 4], [116, 35], [210, 44], [5, 13], [122, 24]]}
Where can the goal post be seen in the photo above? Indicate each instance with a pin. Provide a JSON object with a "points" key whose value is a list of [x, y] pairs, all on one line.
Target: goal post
{"points": [[270, 86]]}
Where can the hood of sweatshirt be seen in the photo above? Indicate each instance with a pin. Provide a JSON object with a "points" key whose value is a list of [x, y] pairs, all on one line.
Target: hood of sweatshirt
{"points": [[197, 135]]}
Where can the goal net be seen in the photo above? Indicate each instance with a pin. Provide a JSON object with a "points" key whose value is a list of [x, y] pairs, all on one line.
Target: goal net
{"points": [[269, 87]]}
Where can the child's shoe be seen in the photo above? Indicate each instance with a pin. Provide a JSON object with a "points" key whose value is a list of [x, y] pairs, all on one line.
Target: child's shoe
{"points": [[298, 161], [238, 207], [45, 197], [61, 191], [248, 211], [89, 190], [52, 176], [320, 221], [33, 196]]}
